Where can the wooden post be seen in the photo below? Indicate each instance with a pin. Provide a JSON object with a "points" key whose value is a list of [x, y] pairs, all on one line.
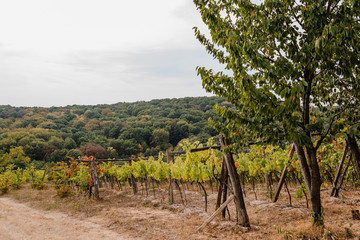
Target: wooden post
{"points": [[341, 179], [217, 212], [235, 183], [133, 182], [205, 193], [283, 174], [32, 178], [222, 192], [339, 169], [225, 192], [43, 178], [171, 192], [355, 152], [220, 189], [95, 179], [268, 183]]}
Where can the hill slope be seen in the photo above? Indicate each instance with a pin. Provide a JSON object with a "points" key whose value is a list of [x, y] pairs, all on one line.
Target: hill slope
{"points": [[117, 130]]}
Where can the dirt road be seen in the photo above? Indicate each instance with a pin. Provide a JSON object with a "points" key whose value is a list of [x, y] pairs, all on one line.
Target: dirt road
{"points": [[20, 222]]}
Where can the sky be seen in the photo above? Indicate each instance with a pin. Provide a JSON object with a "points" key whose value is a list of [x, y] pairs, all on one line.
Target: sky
{"points": [[65, 52]]}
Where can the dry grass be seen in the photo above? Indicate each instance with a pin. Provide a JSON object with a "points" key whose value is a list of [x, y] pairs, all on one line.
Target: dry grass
{"points": [[151, 217]]}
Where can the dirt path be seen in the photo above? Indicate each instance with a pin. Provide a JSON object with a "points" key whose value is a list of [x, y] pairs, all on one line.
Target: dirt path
{"points": [[32, 214], [20, 222]]}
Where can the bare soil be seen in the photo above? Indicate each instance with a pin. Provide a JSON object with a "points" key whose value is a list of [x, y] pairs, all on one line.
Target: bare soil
{"points": [[41, 214]]}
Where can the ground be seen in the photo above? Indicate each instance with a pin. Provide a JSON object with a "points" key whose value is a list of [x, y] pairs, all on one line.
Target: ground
{"points": [[40, 214]]}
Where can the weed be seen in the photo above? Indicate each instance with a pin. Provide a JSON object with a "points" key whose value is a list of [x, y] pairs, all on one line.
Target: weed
{"points": [[50, 207], [301, 236], [330, 235], [348, 231], [287, 235], [299, 194]]}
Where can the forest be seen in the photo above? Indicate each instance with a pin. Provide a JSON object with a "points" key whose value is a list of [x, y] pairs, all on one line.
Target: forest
{"points": [[49, 135]]}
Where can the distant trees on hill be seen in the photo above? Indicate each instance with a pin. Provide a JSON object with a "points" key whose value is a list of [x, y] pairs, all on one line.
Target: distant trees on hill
{"points": [[117, 130]]}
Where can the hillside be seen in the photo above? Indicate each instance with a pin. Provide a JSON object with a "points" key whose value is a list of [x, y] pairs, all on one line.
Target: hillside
{"points": [[117, 130]]}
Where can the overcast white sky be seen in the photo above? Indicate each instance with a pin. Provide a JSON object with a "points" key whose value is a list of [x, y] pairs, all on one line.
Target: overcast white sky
{"points": [[64, 52]]}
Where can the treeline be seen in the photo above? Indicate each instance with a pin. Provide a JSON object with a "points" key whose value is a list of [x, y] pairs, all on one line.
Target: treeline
{"points": [[106, 131]]}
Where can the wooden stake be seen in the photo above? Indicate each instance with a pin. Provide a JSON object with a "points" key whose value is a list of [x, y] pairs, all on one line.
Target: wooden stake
{"points": [[217, 212], [45, 172], [171, 191], [355, 152], [95, 180], [341, 179], [339, 169], [283, 174], [133, 182]]}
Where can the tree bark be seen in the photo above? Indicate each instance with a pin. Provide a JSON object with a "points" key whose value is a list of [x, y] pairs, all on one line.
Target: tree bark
{"points": [[235, 183], [303, 165], [315, 196], [311, 174]]}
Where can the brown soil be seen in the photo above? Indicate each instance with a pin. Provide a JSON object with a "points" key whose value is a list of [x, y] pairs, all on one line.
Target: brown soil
{"points": [[41, 214]]}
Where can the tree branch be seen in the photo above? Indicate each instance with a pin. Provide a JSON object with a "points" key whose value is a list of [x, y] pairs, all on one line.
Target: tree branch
{"points": [[334, 6], [328, 130], [294, 15]]}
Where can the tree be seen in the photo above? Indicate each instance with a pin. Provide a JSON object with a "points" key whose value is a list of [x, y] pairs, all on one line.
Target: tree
{"points": [[92, 125], [178, 131], [56, 141], [290, 60], [74, 153], [139, 134], [93, 149], [125, 148], [58, 156], [160, 137], [69, 143], [15, 156]]}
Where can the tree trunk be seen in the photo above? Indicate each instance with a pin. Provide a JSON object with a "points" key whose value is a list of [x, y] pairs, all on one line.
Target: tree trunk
{"points": [[235, 183], [315, 196], [312, 180], [303, 165]]}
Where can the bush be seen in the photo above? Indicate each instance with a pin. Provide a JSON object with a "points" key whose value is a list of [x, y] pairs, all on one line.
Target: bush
{"points": [[10, 179]]}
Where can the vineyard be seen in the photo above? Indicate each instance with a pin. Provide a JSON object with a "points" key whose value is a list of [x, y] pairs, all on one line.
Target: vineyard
{"points": [[259, 167], [274, 153]]}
